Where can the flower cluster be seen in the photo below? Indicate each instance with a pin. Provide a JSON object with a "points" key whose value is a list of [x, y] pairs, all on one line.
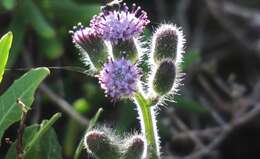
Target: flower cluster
{"points": [[120, 25], [119, 76], [113, 47]]}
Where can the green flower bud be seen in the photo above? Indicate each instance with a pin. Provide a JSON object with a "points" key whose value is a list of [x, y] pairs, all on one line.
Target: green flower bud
{"points": [[134, 148], [126, 49], [164, 77], [166, 42], [102, 145]]}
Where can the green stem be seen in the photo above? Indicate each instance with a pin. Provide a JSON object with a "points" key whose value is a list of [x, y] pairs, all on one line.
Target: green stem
{"points": [[148, 124]]}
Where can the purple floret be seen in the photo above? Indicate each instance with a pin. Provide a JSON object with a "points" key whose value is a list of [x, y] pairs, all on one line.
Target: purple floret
{"points": [[82, 36], [119, 78], [120, 25]]}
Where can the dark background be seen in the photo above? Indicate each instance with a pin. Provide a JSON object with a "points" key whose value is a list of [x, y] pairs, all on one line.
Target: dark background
{"points": [[216, 114]]}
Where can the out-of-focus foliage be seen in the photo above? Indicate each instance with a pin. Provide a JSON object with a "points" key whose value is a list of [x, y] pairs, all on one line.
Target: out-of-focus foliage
{"points": [[50, 20]]}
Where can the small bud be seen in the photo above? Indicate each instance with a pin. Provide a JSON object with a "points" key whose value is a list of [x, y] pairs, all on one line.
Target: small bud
{"points": [[134, 148], [102, 145], [125, 49], [165, 43], [164, 77], [88, 41]]}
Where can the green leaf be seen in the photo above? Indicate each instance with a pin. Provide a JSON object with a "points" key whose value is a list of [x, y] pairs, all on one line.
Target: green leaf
{"points": [[45, 126], [8, 4], [47, 147], [38, 21], [18, 27], [24, 89], [5, 45]]}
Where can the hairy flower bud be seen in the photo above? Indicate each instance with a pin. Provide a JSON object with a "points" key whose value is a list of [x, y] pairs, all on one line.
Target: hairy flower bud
{"points": [[88, 41], [125, 49], [164, 77], [134, 148], [101, 145], [166, 42]]}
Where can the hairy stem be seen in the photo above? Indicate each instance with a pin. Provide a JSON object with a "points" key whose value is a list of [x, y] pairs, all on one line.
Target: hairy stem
{"points": [[148, 125]]}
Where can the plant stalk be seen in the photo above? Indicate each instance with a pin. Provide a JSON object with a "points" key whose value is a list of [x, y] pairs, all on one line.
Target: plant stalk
{"points": [[148, 124]]}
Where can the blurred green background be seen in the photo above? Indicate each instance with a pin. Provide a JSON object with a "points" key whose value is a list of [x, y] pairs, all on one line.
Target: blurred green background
{"points": [[221, 65]]}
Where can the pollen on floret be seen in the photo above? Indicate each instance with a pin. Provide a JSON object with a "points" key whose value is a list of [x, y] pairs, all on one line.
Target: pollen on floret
{"points": [[119, 78], [120, 24]]}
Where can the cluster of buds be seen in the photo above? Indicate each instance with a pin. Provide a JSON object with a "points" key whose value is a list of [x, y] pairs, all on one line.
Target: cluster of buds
{"points": [[111, 46], [104, 143], [166, 56]]}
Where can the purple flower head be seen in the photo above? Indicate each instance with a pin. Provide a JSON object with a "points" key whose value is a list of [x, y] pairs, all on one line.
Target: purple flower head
{"points": [[82, 36], [119, 78], [120, 24]]}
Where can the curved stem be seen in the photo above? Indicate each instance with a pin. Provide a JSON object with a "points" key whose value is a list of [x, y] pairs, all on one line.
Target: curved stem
{"points": [[148, 124]]}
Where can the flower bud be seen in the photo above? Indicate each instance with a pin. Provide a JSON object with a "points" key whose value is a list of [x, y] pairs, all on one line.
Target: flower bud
{"points": [[101, 145], [164, 77], [166, 42], [88, 41], [134, 148], [125, 49]]}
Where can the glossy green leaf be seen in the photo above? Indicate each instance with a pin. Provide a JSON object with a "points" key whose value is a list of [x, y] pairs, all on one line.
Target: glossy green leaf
{"points": [[5, 45], [47, 147], [24, 89]]}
